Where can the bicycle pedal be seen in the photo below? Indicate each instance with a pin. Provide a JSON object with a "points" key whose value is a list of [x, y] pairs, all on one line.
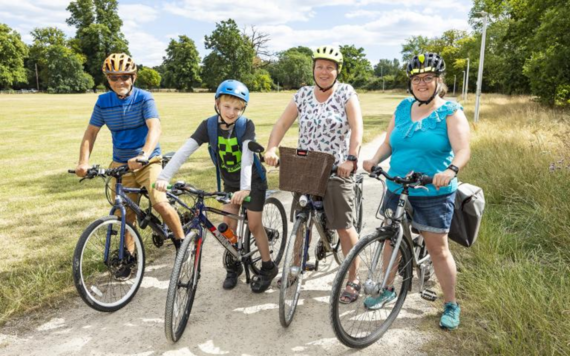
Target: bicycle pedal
{"points": [[428, 295], [311, 266]]}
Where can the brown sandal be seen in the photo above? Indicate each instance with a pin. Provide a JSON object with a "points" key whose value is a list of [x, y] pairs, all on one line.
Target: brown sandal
{"points": [[347, 297]]}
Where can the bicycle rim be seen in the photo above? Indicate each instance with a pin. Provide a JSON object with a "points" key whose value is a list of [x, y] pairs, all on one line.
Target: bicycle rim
{"points": [[182, 287], [354, 324], [292, 276]]}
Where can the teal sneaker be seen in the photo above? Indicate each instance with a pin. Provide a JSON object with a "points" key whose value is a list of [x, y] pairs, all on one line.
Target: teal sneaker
{"points": [[450, 318], [375, 303]]}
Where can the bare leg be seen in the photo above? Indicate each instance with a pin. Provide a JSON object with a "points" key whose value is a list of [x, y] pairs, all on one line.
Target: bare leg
{"points": [[443, 263], [256, 227], [171, 218]]}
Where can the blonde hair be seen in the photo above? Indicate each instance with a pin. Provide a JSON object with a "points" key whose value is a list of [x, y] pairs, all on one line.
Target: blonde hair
{"points": [[443, 87], [232, 99]]}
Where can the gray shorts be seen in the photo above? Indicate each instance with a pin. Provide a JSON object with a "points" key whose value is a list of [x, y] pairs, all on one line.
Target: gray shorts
{"points": [[338, 203]]}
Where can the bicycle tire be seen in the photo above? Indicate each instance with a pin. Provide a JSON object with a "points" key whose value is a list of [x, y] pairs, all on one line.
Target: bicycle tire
{"points": [[274, 221], [292, 275], [95, 279], [358, 213], [182, 287], [343, 320]]}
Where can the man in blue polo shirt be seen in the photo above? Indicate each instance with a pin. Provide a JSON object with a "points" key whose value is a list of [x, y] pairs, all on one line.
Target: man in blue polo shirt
{"points": [[131, 115]]}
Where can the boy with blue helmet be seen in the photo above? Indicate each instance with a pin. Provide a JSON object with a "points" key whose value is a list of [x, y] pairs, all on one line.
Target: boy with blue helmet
{"points": [[228, 134]]}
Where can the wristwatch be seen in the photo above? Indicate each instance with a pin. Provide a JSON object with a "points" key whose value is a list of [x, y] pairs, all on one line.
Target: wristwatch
{"points": [[454, 168], [354, 161]]}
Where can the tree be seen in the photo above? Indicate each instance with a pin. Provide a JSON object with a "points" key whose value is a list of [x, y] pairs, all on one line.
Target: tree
{"points": [[356, 69], [182, 64], [43, 39], [65, 71], [259, 81], [98, 32], [293, 69], [148, 78], [231, 55], [12, 54], [413, 46]]}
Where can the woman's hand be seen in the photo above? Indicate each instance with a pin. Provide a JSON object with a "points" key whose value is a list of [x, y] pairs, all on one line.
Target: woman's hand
{"points": [[161, 185], [345, 169], [239, 196], [443, 179], [368, 164], [271, 157]]}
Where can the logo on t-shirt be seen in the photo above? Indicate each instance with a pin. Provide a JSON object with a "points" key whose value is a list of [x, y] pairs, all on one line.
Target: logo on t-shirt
{"points": [[230, 154]]}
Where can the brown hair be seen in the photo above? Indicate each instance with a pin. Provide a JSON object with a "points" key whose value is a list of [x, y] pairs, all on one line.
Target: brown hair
{"points": [[443, 87]]}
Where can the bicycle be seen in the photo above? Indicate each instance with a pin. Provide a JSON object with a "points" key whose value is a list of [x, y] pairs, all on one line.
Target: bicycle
{"points": [[187, 267], [295, 262], [101, 256], [355, 324]]}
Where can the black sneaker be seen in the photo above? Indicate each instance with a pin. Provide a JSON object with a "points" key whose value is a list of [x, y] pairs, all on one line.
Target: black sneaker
{"points": [[124, 272], [262, 281], [232, 276]]}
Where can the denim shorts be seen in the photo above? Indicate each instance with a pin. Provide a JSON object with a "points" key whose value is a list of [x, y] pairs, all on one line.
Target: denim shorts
{"points": [[431, 214]]}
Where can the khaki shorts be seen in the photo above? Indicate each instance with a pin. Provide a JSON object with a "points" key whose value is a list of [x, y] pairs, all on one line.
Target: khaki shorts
{"points": [[338, 203], [144, 177]]}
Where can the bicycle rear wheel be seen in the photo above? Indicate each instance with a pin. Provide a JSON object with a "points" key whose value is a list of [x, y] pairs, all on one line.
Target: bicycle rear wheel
{"points": [[182, 288], [354, 324], [107, 285], [274, 221], [292, 275]]}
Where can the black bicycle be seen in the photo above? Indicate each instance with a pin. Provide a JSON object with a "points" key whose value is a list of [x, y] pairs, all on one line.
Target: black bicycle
{"points": [[385, 258], [106, 275], [187, 267]]}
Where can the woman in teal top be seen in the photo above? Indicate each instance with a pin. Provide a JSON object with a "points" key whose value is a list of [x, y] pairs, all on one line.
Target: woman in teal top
{"points": [[430, 135]]}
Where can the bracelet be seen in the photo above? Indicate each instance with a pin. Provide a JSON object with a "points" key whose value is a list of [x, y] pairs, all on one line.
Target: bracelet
{"points": [[454, 168]]}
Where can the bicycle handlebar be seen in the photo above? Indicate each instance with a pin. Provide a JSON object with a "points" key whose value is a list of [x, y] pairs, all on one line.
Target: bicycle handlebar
{"points": [[182, 186], [413, 179]]}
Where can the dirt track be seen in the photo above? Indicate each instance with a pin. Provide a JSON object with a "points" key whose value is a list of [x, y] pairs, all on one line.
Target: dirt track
{"points": [[235, 322]]}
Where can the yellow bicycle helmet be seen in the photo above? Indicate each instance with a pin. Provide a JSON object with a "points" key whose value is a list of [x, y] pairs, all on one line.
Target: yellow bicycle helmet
{"points": [[332, 53], [119, 63]]}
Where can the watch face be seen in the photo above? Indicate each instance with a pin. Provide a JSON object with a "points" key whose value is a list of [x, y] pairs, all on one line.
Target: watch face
{"points": [[351, 158]]}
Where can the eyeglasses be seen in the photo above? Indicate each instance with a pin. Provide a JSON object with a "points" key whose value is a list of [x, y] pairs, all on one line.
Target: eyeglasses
{"points": [[427, 79], [123, 78]]}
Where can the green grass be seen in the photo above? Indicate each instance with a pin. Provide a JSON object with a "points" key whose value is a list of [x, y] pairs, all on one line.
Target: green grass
{"points": [[514, 283], [44, 209]]}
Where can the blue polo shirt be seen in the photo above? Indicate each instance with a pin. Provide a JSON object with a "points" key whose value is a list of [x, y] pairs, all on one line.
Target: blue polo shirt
{"points": [[126, 119]]}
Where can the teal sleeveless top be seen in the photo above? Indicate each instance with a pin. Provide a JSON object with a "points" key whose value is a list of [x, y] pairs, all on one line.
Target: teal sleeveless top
{"points": [[421, 146]]}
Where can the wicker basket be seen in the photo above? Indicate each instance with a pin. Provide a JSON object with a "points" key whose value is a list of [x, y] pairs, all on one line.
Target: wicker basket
{"points": [[305, 172]]}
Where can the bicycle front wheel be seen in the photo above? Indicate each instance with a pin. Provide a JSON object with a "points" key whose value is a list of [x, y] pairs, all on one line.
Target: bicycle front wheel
{"points": [[274, 221], [292, 275], [358, 206], [182, 287], [107, 283], [363, 322]]}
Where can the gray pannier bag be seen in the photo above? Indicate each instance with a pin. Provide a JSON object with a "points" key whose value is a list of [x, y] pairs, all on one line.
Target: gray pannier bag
{"points": [[469, 207]]}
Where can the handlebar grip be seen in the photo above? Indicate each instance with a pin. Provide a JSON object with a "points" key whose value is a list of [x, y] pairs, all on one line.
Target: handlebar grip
{"points": [[167, 187], [72, 171], [425, 180], [144, 162], [245, 200]]}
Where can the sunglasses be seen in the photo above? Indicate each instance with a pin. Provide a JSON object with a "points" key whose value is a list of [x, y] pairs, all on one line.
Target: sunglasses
{"points": [[123, 78]]}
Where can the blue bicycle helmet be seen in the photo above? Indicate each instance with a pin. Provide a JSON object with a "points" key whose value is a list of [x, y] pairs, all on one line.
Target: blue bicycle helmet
{"points": [[233, 88]]}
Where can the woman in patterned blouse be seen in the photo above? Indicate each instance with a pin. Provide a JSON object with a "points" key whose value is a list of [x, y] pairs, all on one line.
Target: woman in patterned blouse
{"points": [[330, 121]]}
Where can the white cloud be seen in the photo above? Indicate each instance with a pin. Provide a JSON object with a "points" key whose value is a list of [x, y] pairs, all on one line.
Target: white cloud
{"points": [[362, 13], [145, 47]]}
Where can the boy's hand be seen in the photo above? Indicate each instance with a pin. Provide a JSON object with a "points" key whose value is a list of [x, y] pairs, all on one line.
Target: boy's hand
{"points": [[81, 170], [239, 196], [270, 157], [161, 185]]}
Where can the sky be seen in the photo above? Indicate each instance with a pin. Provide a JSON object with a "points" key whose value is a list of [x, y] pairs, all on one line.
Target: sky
{"points": [[379, 26]]}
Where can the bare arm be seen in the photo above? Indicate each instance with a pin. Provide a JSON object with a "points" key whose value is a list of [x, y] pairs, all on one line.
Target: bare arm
{"points": [[279, 129], [154, 132], [85, 149], [459, 135], [354, 115], [384, 151]]}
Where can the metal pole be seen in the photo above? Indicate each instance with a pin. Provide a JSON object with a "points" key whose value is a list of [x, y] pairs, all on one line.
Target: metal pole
{"points": [[382, 74], [454, 81], [467, 80], [481, 60], [463, 87], [37, 78]]}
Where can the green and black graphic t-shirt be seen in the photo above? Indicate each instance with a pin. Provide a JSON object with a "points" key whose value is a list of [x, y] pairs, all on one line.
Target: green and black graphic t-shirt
{"points": [[229, 153]]}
